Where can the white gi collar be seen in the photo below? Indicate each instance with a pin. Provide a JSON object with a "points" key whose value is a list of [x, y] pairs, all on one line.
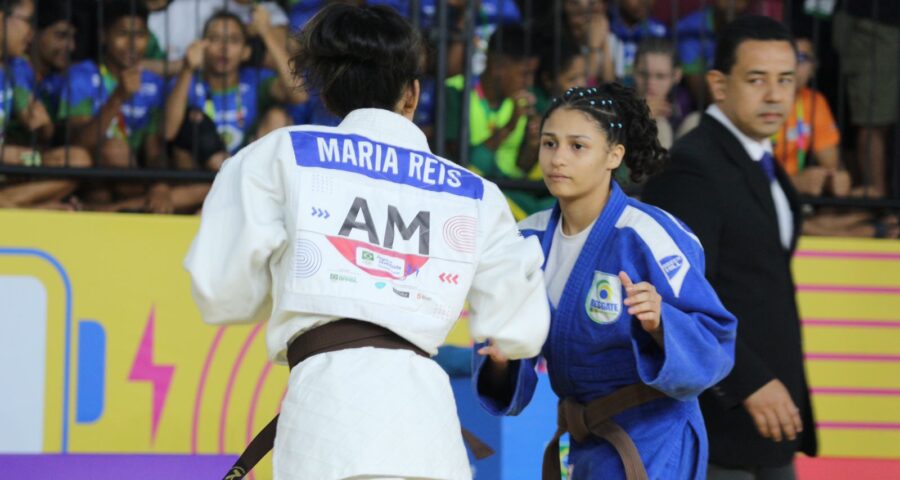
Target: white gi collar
{"points": [[381, 125]]}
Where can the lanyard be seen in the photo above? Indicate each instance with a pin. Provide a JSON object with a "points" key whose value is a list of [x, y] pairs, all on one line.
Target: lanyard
{"points": [[209, 107], [486, 107], [118, 128]]}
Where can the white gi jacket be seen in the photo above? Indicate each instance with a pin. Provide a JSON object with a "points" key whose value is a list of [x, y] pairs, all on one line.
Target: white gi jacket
{"points": [[363, 221]]}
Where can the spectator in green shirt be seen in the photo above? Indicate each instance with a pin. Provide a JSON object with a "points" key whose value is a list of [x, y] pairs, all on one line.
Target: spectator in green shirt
{"points": [[501, 113]]}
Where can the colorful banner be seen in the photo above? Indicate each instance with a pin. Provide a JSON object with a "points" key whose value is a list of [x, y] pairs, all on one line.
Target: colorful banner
{"points": [[106, 354]]}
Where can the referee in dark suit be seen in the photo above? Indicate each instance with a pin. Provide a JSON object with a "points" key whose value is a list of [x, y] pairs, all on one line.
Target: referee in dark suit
{"points": [[724, 183]]}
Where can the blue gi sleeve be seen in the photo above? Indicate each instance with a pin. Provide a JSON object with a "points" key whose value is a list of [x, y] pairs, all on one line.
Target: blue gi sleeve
{"points": [[509, 397], [698, 332]]}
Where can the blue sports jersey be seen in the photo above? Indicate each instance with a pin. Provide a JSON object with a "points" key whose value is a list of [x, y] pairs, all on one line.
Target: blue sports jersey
{"points": [[696, 41], [16, 90], [630, 38], [236, 111], [49, 91], [90, 86], [595, 347]]}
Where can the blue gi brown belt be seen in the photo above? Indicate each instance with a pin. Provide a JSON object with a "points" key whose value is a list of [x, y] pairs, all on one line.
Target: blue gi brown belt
{"points": [[595, 419], [338, 335]]}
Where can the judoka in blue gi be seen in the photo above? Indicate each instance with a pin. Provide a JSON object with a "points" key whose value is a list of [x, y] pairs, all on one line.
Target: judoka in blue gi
{"points": [[637, 332]]}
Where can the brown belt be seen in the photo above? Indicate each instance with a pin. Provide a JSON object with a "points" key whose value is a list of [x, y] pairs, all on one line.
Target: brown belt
{"points": [[338, 335], [595, 419]]}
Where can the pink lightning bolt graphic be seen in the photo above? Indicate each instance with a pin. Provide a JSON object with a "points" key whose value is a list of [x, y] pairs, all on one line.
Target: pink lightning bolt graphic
{"points": [[143, 369]]}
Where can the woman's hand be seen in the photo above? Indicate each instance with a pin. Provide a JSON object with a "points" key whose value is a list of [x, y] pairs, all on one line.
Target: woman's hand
{"points": [[644, 304], [495, 354]]}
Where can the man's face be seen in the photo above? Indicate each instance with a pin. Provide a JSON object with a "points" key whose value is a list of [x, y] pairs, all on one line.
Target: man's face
{"points": [[759, 90], [55, 44], [654, 75], [126, 41], [18, 30], [635, 10], [513, 76]]}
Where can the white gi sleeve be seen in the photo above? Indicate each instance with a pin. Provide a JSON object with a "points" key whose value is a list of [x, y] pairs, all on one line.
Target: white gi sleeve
{"points": [[508, 301], [241, 226]]}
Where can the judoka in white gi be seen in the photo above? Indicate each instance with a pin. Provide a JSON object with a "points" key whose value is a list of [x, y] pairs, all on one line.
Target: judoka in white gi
{"points": [[311, 224]]}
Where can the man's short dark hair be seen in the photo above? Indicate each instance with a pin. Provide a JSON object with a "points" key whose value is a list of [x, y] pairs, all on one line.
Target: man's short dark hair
{"points": [[751, 27], [116, 9], [54, 11], [509, 41]]}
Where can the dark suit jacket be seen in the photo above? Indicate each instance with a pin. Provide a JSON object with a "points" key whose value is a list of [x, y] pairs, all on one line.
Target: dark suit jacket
{"points": [[724, 197]]}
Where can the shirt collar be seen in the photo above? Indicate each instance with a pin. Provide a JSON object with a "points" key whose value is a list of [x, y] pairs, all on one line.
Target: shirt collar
{"points": [[754, 148], [376, 123]]}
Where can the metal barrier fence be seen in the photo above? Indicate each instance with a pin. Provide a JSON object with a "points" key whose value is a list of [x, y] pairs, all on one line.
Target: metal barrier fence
{"points": [[469, 22]]}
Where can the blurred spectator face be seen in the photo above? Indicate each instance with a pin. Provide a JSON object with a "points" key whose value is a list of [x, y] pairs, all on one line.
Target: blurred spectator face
{"points": [[806, 62], [579, 13], [55, 44], [574, 76], [17, 28], [226, 46], [758, 91], [655, 75], [511, 75], [635, 11], [736, 6], [156, 5], [126, 41]]}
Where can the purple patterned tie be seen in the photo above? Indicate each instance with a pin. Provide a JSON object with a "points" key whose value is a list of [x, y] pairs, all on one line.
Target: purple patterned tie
{"points": [[767, 162]]}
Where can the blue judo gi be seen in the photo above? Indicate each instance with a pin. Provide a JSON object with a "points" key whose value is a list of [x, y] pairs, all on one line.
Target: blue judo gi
{"points": [[595, 347]]}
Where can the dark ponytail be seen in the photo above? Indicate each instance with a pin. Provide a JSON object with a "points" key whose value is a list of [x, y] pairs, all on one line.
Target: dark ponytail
{"points": [[358, 57], [625, 118]]}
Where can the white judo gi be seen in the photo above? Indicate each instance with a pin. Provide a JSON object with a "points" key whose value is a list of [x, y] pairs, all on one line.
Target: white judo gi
{"points": [[310, 224]]}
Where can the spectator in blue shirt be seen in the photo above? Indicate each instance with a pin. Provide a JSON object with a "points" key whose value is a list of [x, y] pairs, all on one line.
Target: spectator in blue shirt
{"points": [[696, 37], [631, 23]]}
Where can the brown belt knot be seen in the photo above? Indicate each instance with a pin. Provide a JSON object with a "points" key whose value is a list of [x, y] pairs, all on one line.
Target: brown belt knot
{"points": [[595, 420]]}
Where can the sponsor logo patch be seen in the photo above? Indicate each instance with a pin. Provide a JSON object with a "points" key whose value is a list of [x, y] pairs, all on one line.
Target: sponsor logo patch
{"points": [[604, 300]]}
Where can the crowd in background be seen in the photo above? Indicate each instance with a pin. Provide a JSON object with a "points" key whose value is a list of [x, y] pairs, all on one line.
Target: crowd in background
{"points": [[183, 84]]}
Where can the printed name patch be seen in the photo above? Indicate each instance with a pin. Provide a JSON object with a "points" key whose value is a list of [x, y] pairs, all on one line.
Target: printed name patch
{"points": [[357, 154]]}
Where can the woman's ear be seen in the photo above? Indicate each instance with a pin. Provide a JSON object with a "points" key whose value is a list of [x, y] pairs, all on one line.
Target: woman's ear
{"points": [[246, 52], [615, 156], [410, 100]]}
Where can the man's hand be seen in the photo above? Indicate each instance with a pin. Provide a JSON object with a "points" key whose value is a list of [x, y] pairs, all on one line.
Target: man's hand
{"points": [[37, 116], [811, 181], [525, 101], [774, 413]]}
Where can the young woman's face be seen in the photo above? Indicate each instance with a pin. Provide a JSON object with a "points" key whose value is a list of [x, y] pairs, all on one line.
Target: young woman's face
{"points": [[654, 75], [574, 76], [226, 46], [575, 158], [126, 41]]}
